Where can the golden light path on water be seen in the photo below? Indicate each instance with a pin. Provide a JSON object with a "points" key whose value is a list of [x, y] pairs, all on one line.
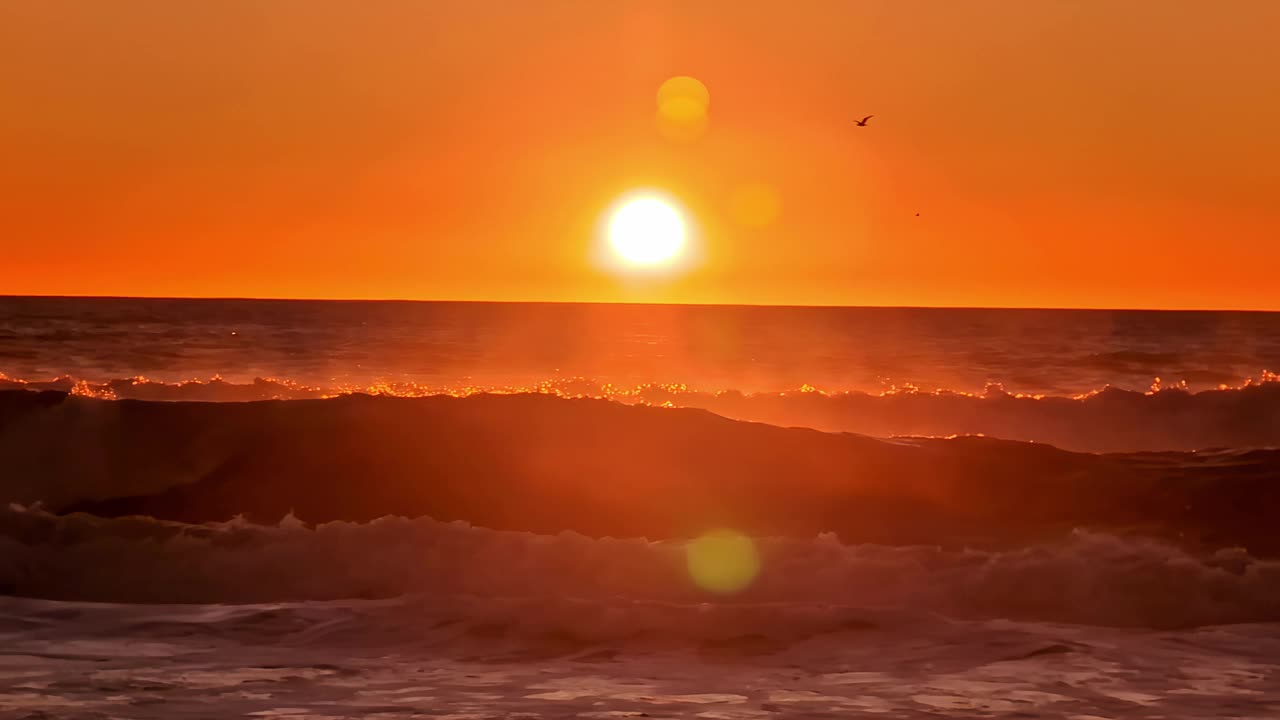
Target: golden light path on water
{"points": [[722, 561]]}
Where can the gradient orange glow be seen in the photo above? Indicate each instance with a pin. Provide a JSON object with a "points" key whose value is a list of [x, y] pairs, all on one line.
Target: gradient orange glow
{"points": [[1037, 153]]}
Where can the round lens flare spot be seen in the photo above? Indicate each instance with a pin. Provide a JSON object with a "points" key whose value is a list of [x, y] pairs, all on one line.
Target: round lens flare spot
{"points": [[647, 231], [684, 88], [682, 108], [722, 561]]}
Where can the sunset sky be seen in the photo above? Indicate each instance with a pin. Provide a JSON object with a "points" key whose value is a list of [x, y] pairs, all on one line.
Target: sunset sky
{"points": [[1082, 153]]}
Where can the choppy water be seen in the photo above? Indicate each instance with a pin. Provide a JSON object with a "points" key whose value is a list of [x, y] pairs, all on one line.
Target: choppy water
{"points": [[707, 347]]}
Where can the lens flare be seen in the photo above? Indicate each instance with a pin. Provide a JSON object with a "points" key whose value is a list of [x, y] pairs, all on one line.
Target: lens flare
{"points": [[722, 561], [682, 108], [684, 88]]}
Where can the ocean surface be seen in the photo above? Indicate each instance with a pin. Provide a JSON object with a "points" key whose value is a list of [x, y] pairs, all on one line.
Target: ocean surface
{"points": [[356, 345], [226, 508]]}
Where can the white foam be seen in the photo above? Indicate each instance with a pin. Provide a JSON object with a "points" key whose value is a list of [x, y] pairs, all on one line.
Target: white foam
{"points": [[806, 586]]}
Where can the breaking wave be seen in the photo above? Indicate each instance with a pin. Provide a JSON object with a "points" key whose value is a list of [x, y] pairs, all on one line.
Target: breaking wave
{"points": [[546, 464], [625, 588], [1170, 416]]}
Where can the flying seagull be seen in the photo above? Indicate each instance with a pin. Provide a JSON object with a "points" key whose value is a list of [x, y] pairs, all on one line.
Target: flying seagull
{"points": [[863, 121]]}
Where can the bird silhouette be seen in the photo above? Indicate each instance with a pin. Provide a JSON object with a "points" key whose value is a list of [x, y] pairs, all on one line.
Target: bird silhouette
{"points": [[863, 121]]}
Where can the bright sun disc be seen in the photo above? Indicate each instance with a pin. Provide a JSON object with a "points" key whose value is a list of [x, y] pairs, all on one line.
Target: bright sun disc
{"points": [[647, 231]]}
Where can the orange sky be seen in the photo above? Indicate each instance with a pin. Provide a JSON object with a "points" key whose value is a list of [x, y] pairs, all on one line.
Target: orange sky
{"points": [[1078, 153]]}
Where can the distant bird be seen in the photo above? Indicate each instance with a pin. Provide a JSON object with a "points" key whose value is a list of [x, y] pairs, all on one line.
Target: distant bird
{"points": [[863, 121]]}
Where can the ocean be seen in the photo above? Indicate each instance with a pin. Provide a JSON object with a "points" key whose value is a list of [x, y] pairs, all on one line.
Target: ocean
{"points": [[350, 345], [307, 509]]}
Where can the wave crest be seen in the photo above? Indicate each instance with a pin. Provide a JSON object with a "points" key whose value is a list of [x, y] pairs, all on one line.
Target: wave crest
{"points": [[1087, 578], [546, 464], [1167, 417]]}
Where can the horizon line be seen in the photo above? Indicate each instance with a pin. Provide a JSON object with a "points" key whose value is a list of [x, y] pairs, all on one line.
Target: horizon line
{"points": [[234, 298]]}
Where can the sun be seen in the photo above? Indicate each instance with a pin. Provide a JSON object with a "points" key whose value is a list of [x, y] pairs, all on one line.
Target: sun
{"points": [[647, 231]]}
